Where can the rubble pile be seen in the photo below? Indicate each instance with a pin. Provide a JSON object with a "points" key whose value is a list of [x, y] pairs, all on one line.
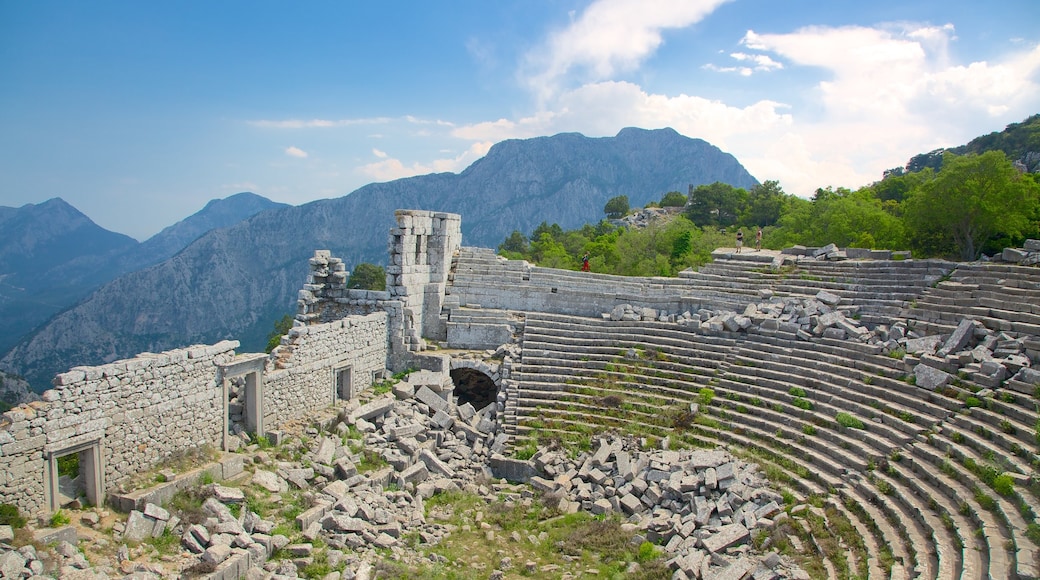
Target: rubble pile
{"points": [[1028, 255], [821, 315], [365, 474], [701, 506], [987, 357]]}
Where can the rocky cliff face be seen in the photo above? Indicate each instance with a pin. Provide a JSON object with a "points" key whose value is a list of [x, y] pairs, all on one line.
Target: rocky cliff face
{"points": [[234, 282]]}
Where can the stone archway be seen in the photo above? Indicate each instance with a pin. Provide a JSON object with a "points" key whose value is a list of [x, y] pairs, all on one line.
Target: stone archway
{"points": [[474, 387]]}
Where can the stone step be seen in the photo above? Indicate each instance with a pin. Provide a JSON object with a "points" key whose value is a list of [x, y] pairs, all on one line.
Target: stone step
{"points": [[995, 532]]}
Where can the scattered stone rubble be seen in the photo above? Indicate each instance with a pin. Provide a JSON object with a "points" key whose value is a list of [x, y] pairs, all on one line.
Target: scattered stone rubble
{"points": [[989, 358], [701, 506], [822, 315], [1028, 255]]}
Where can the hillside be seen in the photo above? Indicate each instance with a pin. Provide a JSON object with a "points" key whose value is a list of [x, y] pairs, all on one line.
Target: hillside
{"points": [[234, 282], [52, 255], [1019, 141]]}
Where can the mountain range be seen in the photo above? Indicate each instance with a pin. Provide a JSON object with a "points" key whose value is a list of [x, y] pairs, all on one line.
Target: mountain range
{"points": [[235, 281], [52, 256]]}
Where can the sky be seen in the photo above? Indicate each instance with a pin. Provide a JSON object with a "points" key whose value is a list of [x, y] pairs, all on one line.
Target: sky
{"points": [[138, 113]]}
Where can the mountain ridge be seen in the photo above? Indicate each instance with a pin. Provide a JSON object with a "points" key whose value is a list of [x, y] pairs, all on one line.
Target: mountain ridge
{"points": [[234, 282], [52, 255]]}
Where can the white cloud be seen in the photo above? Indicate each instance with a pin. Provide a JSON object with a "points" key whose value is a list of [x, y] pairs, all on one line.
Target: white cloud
{"points": [[609, 37], [295, 152], [390, 168], [378, 153], [888, 93]]}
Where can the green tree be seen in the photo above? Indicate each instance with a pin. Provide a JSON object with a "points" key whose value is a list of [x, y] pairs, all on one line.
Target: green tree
{"points": [[673, 199], [971, 200], [281, 328], [547, 252], [764, 204], [617, 207], [515, 245], [717, 204], [367, 277]]}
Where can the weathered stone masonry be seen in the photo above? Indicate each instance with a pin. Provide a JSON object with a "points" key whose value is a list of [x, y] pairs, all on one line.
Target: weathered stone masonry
{"points": [[131, 415]]}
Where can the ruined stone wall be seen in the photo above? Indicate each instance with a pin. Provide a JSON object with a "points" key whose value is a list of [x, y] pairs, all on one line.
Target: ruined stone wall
{"points": [[421, 249], [301, 376], [137, 412]]}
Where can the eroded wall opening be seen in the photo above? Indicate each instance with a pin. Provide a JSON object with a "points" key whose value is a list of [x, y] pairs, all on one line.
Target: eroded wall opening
{"points": [[74, 476], [344, 383], [243, 383], [474, 387]]}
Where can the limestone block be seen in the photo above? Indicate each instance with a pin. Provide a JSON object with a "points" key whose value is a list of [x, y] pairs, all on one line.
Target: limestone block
{"points": [[1013, 255], [959, 338], [929, 378], [11, 564], [138, 527], [726, 536], [828, 298], [373, 409], [269, 481], [925, 344]]}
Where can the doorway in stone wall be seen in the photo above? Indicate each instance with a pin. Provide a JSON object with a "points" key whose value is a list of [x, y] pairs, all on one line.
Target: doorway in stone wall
{"points": [[244, 403], [343, 383], [474, 387], [74, 476]]}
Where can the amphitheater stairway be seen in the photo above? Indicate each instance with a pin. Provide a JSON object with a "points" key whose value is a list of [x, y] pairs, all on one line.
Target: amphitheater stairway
{"points": [[578, 376], [905, 480], [1003, 297]]}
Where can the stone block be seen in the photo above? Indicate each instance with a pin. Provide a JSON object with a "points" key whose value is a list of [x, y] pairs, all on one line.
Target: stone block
{"points": [[959, 338], [828, 298], [435, 465], [138, 527], [373, 409], [514, 470], [925, 344], [432, 399], [726, 536], [929, 378], [1013, 255]]}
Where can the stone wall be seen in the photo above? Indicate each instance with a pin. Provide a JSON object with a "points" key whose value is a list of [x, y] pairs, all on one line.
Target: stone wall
{"points": [[135, 413], [302, 375], [421, 250]]}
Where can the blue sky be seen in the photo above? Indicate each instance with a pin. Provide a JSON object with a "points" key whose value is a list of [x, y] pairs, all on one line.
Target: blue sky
{"points": [[138, 113]]}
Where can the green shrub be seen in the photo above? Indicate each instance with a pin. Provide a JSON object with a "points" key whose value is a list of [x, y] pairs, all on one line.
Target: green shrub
{"points": [[802, 403], [1004, 485], [808, 429], [846, 420], [706, 395], [9, 516], [796, 392], [527, 451], [972, 402], [59, 519]]}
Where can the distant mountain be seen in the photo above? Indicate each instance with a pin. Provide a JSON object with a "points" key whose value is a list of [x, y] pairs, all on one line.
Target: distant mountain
{"points": [[234, 282], [218, 213], [51, 256]]}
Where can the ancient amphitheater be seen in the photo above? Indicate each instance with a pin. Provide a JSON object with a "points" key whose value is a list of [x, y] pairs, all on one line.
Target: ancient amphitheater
{"points": [[898, 391]]}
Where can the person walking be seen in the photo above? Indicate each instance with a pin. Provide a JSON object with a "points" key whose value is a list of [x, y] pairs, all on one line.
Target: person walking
{"points": [[585, 262], [758, 240], [740, 240]]}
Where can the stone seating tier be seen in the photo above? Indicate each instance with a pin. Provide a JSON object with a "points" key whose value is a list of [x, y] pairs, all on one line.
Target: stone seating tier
{"points": [[834, 455]]}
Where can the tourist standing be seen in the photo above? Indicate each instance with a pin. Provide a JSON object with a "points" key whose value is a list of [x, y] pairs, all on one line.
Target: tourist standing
{"points": [[758, 240], [740, 240]]}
